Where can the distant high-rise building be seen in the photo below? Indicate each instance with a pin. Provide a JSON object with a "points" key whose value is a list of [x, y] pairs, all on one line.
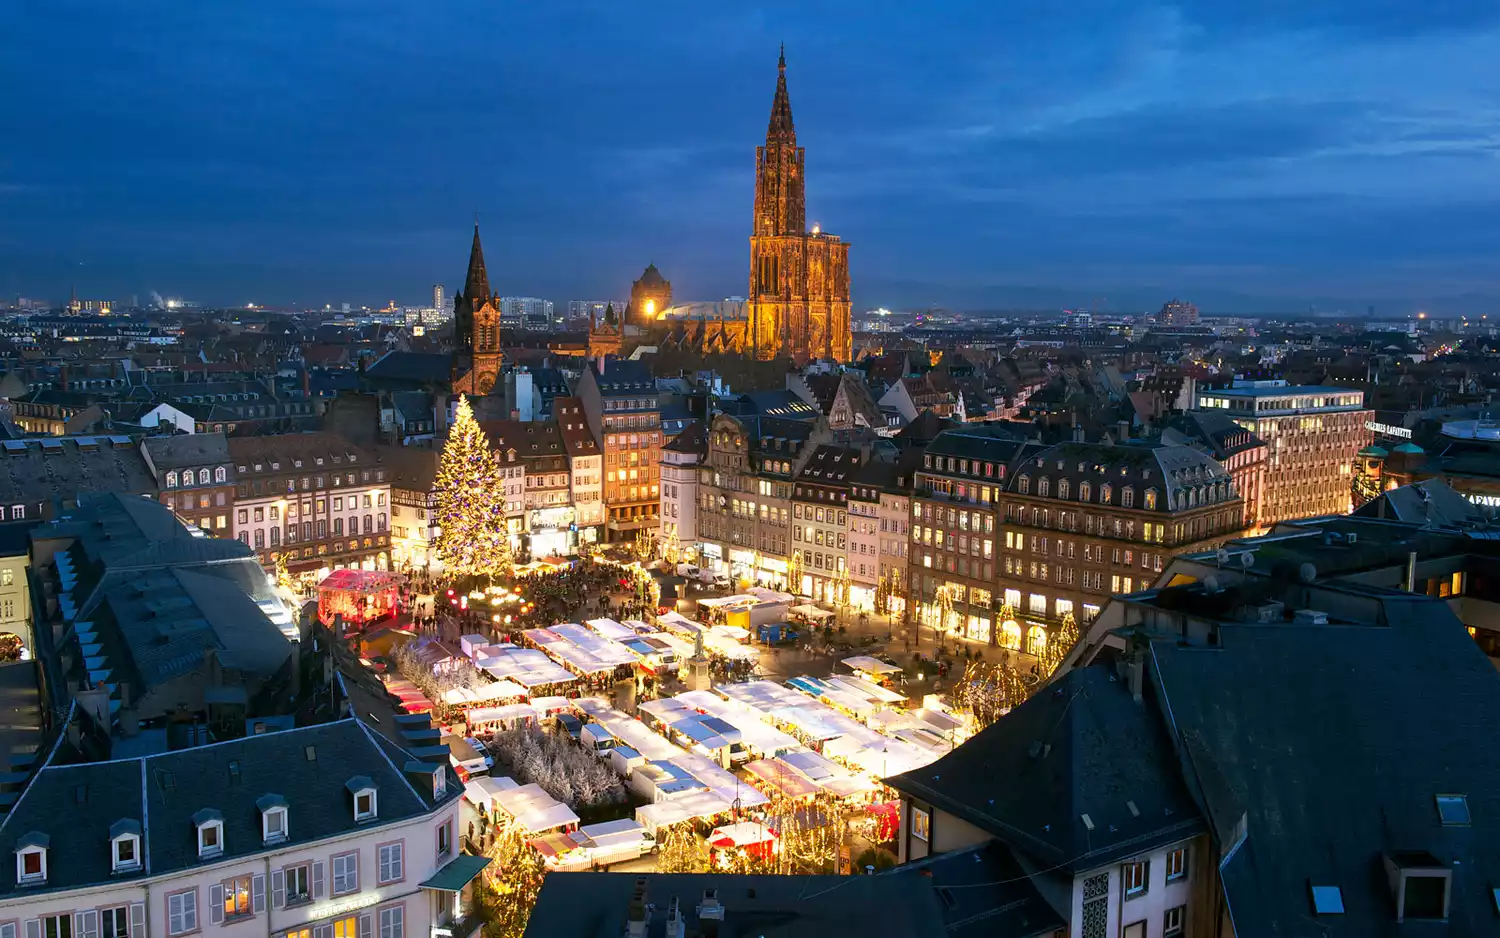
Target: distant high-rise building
{"points": [[437, 296], [525, 312], [799, 279], [1178, 313], [583, 314]]}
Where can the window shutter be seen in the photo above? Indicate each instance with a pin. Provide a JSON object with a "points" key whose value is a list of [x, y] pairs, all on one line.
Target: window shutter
{"points": [[258, 893], [137, 920], [216, 904], [365, 924], [33, 928], [317, 879], [354, 867], [278, 890]]}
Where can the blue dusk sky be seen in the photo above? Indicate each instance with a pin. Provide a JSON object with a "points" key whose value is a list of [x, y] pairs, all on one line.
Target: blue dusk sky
{"points": [[1244, 154]]}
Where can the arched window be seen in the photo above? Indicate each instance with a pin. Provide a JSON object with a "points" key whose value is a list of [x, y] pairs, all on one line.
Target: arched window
{"points": [[1192, 497], [1062, 488], [1127, 497], [171, 480], [1104, 492], [220, 475], [1151, 499], [1085, 491], [1023, 485], [1044, 486], [202, 476]]}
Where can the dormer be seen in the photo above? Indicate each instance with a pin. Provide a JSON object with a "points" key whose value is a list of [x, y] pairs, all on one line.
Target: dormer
{"points": [[31, 858], [362, 791], [125, 846], [210, 825], [428, 777], [273, 818]]}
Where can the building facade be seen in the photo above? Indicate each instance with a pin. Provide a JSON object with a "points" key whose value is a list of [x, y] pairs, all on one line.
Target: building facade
{"points": [[820, 522], [623, 410], [745, 485], [314, 500], [549, 524], [650, 296], [1313, 436], [196, 476], [680, 460], [586, 463], [414, 519], [310, 832], [799, 279]]}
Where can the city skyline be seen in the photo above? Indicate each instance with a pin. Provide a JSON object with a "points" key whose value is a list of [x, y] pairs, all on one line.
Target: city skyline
{"points": [[1327, 156]]}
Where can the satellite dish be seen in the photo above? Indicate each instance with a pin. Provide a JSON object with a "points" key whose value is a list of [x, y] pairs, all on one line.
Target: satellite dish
{"points": [[1222, 556], [1307, 573], [1247, 560]]}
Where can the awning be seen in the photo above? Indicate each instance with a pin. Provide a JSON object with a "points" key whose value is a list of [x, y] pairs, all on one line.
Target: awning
{"points": [[457, 874]]}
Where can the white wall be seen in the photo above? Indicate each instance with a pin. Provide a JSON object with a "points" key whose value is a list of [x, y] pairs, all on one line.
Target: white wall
{"points": [[150, 894]]}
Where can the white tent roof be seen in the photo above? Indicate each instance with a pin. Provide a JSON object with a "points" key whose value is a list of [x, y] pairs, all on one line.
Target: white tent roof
{"points": [[534, 810], [870, 665]]}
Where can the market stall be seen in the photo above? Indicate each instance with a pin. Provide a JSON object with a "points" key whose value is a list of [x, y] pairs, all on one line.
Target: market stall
{"points": [[360, 596]]}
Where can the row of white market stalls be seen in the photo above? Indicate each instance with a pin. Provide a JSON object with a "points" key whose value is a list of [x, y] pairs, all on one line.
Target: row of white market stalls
{"points": [[681, 784], [528, 807]]}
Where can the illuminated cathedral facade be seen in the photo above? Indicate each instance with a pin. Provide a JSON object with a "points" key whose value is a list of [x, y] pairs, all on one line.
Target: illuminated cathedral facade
{"points": [[799, 302]]}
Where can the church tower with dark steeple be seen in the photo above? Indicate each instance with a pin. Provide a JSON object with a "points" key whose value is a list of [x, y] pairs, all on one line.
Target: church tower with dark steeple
{"points": [[799, 280], [476, 329]]}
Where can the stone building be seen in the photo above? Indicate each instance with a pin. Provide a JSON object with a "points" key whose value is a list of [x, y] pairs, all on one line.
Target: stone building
{"points": [[476, 329], [650, 296], [799, 279]]}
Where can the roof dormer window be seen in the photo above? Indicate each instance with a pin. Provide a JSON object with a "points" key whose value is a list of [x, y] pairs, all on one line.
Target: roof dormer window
{"points": [[273, 820], [125, 845], [363, 791], [31, 858], [210, 825]]}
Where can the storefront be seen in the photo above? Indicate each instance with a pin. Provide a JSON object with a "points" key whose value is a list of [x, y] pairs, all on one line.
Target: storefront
{"points": [[742, 564], [551, 532], [713, 557], [862, 597]]}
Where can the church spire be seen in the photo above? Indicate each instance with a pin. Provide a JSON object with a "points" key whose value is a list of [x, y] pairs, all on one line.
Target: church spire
{"points": [[477, 283], [781, 128]]}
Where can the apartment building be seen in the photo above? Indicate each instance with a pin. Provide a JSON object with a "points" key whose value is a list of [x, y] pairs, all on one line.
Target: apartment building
{"points": [[414, 520], [196, 477], [624, 412], [586, 464], [314, 499], [955, 529], [745, 485], [679, 491], [327, 831], [1313, 435], [549, 523], [820, 519]]}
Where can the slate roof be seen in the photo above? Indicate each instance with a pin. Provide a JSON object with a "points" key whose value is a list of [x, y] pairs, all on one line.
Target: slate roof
{"points": [[595, 905], [1097, 751], [188, 450], [1176, 471], [415, 367], [830, 465], [692, 439], [623, 378], [986, 893], [75, 805], [1332, 742], [39, 471]]}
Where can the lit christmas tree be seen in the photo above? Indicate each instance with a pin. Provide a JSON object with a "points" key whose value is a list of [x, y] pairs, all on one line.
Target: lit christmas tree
{"points": [[470, 501]]}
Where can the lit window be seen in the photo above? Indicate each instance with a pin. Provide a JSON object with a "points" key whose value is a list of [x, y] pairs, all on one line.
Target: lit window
{"points": [[921, 823], [1134, 878], [1177, 865]]}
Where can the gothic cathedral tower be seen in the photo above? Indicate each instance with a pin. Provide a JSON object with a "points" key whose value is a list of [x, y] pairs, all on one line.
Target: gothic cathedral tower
{"points": [[476, 329], [799, 280]]}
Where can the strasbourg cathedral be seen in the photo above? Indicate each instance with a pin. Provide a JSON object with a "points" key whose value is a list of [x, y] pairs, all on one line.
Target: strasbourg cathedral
{"points": [[798, 306]]}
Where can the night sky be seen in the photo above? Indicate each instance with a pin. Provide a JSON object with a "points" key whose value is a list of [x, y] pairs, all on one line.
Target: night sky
{"points": [[1019, 152]]}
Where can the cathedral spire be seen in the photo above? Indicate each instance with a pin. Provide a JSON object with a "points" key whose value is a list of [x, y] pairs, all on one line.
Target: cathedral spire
{"points": [[477, 283], [781, 128]]}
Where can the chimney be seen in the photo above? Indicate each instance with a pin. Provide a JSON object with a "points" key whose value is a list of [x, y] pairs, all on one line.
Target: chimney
{"points": [[66, 375], [638, 917], [676, 927], [1411, 572], [1124, 430], [306, 382], [599, 363]]}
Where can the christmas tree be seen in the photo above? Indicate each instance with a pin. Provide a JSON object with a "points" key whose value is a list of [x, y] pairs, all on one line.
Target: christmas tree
{"points": [[470, 500]]}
